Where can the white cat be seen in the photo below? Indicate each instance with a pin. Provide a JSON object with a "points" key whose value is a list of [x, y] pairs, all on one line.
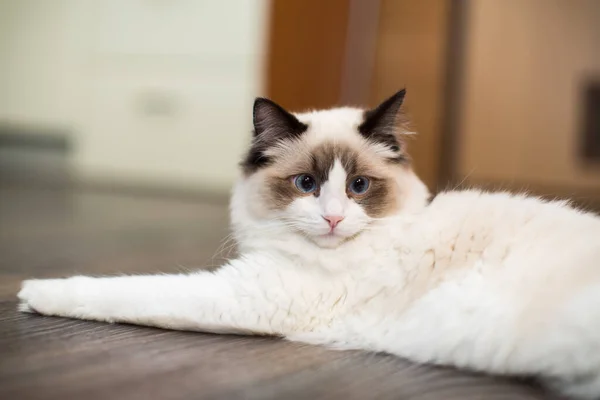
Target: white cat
{"points": [[340, 247]]}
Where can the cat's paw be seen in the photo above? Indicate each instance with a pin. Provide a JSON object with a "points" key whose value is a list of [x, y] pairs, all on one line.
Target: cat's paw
{"points": [[24, 307], [44, 296]]}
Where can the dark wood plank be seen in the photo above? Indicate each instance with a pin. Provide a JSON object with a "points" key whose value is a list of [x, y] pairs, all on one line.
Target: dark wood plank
{"points": [[62, 232], [314, 56]]}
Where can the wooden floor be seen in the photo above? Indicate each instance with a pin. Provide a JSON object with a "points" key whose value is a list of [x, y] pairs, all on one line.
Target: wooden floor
{"points": [[52, 233]]}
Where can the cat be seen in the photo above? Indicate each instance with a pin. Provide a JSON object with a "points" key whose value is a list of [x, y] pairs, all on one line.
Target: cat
{"points": [[342, 246]]}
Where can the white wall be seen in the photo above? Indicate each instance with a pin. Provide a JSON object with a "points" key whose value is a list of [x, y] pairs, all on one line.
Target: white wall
{"points": [[156, 91], [36, 57]]}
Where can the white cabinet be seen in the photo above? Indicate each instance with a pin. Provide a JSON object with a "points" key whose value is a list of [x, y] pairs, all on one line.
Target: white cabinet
{"points": [[169, 89], [154, 91]]}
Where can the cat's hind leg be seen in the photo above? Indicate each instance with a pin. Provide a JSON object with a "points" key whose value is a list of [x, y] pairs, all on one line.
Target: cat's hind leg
{"points": [[580, 344]]}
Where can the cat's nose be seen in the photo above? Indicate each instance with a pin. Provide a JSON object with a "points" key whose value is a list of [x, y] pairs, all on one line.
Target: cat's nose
{"points": [[333, 220]]}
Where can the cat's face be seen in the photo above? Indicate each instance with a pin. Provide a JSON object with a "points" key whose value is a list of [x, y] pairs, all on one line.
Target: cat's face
{"points": [[328, 175]]}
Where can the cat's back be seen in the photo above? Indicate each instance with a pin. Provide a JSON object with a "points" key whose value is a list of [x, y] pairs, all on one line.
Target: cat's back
{"points": [[505, 213], [508, 280], [526, 240]]}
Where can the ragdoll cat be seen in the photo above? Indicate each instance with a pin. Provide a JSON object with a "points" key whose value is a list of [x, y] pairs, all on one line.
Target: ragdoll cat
{"points": [[340, 246]]}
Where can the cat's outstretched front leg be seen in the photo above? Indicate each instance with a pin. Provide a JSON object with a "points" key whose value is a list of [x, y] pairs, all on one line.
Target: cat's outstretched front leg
{"points": [[236, 299]]}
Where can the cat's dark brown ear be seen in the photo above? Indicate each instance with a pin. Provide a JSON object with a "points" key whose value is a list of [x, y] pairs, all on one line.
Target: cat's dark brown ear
{"points": [[381, 124], [273, 122]]}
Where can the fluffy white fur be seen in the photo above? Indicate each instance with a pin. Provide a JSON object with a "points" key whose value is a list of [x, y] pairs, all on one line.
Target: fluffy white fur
{"points": [[485, 281]]}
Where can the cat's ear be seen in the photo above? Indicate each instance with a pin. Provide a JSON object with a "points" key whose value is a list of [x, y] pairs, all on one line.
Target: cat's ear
{"points": [[380, 124], [273, 122]]}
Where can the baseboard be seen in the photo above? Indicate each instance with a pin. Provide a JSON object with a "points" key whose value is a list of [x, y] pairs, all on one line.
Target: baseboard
{"points": [[37, 156], [585, 198]]}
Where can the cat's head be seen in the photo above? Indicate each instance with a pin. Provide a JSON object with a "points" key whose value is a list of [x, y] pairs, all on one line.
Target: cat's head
{"points": [[326, 176]]}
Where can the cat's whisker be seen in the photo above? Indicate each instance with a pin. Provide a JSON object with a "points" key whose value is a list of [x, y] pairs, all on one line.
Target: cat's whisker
{"points": [[225, 246]]}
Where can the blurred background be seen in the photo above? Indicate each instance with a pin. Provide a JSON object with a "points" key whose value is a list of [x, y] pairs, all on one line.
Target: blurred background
{"points": [[157, 94]]}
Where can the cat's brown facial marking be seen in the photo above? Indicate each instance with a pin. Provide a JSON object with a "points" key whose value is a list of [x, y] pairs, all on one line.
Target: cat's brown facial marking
{"points": [[379, 200]]}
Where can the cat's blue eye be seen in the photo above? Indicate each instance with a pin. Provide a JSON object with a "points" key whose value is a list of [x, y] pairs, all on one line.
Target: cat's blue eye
{"points": [[305, 183], [359, 185]]}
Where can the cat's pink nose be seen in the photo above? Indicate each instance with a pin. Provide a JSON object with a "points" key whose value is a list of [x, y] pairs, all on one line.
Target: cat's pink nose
{"points": [[333, 220]]}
